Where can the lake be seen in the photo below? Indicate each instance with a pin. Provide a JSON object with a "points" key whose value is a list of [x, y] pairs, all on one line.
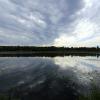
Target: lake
{"points": [[50, 78]]}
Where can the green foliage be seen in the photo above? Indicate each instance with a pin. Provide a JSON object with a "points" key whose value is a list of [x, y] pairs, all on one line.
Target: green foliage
{"points": [[4, 97], [94, 95], [7, 97]]}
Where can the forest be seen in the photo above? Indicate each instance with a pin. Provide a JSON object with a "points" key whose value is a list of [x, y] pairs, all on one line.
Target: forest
{"points": [[48, 49]]}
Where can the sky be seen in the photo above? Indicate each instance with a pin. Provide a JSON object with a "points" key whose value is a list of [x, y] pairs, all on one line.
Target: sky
{"points": [[50, 22]]}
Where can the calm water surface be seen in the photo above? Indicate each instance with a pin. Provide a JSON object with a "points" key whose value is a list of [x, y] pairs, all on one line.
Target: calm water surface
{"points": [[46, 78]]}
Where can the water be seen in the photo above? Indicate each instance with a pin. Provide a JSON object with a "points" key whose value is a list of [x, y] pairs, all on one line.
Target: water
{"points": [[47, 78]]}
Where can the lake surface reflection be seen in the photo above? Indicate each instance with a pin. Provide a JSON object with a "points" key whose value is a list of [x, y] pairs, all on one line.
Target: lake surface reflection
{"points": [[46, 78]]}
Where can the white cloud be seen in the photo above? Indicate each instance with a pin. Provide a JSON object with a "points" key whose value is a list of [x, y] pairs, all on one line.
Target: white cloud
{"points": [[85, 29], [63, 23], [88, 3], [65, 40]]}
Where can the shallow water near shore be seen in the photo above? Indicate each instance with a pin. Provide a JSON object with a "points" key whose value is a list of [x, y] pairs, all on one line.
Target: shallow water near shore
{"points": [[50, 78]]}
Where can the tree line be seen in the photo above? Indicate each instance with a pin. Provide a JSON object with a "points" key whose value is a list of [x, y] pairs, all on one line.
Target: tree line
{"points": [[49, 48]]}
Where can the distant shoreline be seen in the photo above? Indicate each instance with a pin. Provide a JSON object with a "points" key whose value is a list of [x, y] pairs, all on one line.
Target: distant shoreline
{"points": [[48, 51]]}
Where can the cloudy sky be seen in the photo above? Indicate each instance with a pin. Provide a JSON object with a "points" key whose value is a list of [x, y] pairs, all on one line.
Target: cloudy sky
{"points": [[50, 22]]}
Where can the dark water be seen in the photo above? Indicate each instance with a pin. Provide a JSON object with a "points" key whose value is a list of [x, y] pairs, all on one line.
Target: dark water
{"points": [[46, 78]]}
